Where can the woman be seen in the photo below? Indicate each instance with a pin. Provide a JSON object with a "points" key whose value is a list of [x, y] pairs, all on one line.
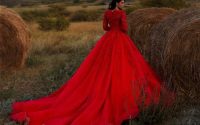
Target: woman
{"points": [[110, 85]]}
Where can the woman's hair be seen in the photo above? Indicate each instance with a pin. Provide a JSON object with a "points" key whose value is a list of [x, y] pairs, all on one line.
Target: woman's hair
{"points": [[113, 4]]}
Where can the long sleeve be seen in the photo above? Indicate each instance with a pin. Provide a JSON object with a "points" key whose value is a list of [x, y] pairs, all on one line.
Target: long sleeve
{"points": [[105, 23], [124, 24]]}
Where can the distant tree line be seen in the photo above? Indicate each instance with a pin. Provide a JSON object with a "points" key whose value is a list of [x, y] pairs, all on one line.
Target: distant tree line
{"points": [[11, 3]]}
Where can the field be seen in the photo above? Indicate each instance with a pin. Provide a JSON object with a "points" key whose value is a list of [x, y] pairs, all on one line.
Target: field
{"points": [[53, 58]]}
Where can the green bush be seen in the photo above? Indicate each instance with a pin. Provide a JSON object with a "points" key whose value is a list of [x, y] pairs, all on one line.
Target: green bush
{"points": [[46, 24], [58, 24], [61, 24], [177, 4], [34, 15], [53, 11], [82, 15], [79, 15], [58, 10]]}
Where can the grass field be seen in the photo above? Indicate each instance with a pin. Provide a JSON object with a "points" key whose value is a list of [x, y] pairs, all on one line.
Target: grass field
{"points": [[70, 8], [53, 58]]}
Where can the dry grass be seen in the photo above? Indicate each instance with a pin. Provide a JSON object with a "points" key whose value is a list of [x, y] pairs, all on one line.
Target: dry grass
{"points": [[14, 39], [38, 7], [69, 8], [78, 34], [91, 7], [140, 23], [175, 51], [53, 58]]}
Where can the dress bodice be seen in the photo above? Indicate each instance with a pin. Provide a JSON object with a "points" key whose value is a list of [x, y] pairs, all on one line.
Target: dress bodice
{"points": [[115, 20]]}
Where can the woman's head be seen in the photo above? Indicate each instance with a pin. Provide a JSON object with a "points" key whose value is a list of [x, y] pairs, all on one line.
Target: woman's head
{"points": [[116, 3]]}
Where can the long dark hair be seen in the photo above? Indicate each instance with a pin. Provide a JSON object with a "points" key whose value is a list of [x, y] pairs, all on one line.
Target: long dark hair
{"points": [[113, 4]]}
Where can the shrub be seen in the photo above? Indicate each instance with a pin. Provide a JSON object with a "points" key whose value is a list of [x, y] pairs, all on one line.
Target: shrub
{"points": [[79, 15], [46, 23], [58, 24], [34, 15], [61, 24], [58, 10], [82, 15], [53, 11]]}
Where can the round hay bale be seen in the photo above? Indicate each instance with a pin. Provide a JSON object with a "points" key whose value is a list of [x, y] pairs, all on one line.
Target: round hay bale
{"points": [[140, 23], [14, 39], [176, 53]]}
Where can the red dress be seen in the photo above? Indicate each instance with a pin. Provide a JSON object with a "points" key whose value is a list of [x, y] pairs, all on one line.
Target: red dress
{"points": [[105, 90]]}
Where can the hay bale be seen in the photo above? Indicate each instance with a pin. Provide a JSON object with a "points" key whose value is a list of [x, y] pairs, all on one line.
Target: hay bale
{"points": [[140, 23], [14, 39], [176, 53]]}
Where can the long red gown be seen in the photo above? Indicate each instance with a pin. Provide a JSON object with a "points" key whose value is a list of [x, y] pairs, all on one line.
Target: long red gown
{"points": [[107, 88]]}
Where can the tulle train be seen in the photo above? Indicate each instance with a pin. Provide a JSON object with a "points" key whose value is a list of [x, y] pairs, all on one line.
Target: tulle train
{"points": [[108, 87]]}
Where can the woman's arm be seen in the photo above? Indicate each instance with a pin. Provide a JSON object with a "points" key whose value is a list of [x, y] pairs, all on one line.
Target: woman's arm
{"points": [[124, 24], [105, 23]]}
